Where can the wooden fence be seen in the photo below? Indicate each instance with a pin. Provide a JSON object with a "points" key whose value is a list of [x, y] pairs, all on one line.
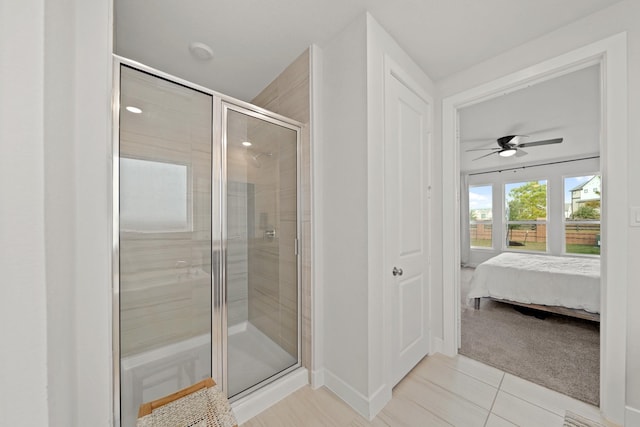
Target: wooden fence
{"points": [[579, 234]]}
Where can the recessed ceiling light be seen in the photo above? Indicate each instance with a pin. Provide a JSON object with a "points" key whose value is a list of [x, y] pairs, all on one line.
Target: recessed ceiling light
{"points": [[246, 144], [134, 110], [201, 51]]}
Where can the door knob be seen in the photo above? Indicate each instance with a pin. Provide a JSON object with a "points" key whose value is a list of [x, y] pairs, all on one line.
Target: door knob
{"points": [[397, 271]]}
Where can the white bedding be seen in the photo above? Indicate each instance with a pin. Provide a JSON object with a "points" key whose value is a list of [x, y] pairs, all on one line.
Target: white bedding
{"points": [[540, 279]]}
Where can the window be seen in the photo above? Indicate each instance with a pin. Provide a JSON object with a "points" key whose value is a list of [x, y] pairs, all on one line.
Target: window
{"points": [[153, 196], [526, 215], [582, 214], [481, 216]]}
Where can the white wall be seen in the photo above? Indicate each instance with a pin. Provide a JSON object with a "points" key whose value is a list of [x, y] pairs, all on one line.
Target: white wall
{"points": [[55, 132], [355, 346], [344, 194], [624, 16], [91, 159], [23, 312], [59, 215]]}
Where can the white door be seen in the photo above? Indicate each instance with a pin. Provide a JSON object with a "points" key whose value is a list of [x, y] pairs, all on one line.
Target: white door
{"points": [[407, 134]]}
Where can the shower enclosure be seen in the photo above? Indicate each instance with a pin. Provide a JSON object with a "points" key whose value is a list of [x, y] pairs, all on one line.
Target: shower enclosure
{"points": [[206, 226]]}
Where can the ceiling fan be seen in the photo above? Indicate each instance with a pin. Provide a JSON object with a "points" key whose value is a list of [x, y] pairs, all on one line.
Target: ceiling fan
{"points": [[513, 144]]}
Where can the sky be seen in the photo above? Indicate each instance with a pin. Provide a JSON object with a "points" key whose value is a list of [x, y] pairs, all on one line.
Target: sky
{"points": [[570, 183], [480, 197]]}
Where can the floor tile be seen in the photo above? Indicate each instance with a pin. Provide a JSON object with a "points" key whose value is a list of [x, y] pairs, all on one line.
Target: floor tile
{"points": [[439, 392], [466, 386], [496, 421], [523, 413], [363, 423], [478, 370], [306, 407], [548, 399], [446, 405], [401, 412]]}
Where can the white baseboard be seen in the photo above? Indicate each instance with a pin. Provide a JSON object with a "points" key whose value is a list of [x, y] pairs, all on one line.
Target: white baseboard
{"points": [[367, 407], [317, 379], [437, 344], [379, 400], [344, 391], [251, 405], [631, 417]]}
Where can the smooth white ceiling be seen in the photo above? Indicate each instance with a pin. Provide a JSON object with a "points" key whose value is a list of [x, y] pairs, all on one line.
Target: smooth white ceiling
{"points": [[254, 40], [567, 106]]}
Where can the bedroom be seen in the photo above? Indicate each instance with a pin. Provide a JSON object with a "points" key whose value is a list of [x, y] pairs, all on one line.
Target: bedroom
{"points": [[540, 206]]}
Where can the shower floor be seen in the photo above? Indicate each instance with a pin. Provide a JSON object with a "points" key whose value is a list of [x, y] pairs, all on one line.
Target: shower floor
{"points": [[253, 357]]}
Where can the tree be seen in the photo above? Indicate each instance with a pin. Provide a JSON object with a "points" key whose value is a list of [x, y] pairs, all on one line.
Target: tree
{"points": [[528, 202], [586, 212]]}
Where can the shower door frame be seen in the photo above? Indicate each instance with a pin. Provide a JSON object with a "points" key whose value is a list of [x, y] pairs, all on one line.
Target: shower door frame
{"points": [[220, 104], [261, 114]]}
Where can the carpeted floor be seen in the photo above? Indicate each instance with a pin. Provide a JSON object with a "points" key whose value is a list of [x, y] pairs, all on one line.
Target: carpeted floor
{"points": [[558, 352]]}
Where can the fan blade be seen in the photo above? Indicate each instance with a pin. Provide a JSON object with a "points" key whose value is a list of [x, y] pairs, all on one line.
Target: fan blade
{"points": [[482, 157], [517, 140], [544, 142], [482, 149], [521, 153]]}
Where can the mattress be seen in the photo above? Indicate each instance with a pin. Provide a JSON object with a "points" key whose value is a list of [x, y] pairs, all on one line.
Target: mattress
{"points": [[570, 282]]}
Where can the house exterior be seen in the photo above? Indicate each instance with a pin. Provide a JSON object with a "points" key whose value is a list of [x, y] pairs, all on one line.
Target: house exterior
{"points": [[586, 194], [484, 214]]}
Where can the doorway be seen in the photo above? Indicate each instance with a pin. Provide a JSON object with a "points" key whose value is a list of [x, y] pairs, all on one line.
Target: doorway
{"points": [[519, 208], [611, 55]]}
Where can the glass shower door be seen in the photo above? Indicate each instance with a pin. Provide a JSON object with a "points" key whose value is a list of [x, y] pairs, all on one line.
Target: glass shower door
{"points": [[261, 268], [165, 251]]}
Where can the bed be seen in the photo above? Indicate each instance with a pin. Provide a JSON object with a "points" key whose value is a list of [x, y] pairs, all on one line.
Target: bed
{"points": [[564, 285]]}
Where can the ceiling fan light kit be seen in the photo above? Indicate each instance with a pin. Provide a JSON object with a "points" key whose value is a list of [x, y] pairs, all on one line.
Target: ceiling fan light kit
{"points": [[512, 144], [508, 152]]}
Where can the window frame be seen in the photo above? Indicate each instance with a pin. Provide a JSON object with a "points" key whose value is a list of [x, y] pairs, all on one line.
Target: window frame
{"points": [[492, 247], [189, 228], [580, 222], [506, 222]]}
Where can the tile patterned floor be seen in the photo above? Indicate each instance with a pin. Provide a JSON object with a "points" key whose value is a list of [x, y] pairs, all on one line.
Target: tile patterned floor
{"points": [[440, 391]]}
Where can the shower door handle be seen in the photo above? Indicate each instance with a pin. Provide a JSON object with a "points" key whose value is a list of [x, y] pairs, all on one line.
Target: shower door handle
{"points": [[397, 271]]}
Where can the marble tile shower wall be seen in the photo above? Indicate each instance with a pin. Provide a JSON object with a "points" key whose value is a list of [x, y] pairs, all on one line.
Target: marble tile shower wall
{"points": [[273, 307], [238, 197], [288, 95], [165, 275]]}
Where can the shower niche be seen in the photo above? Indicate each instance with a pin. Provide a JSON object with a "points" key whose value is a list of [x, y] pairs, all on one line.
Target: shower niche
{"points": [[206, 238]]}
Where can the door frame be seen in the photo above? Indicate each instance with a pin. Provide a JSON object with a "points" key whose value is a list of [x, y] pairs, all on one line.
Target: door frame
{"points": [[254, 112], [611, 55]]}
